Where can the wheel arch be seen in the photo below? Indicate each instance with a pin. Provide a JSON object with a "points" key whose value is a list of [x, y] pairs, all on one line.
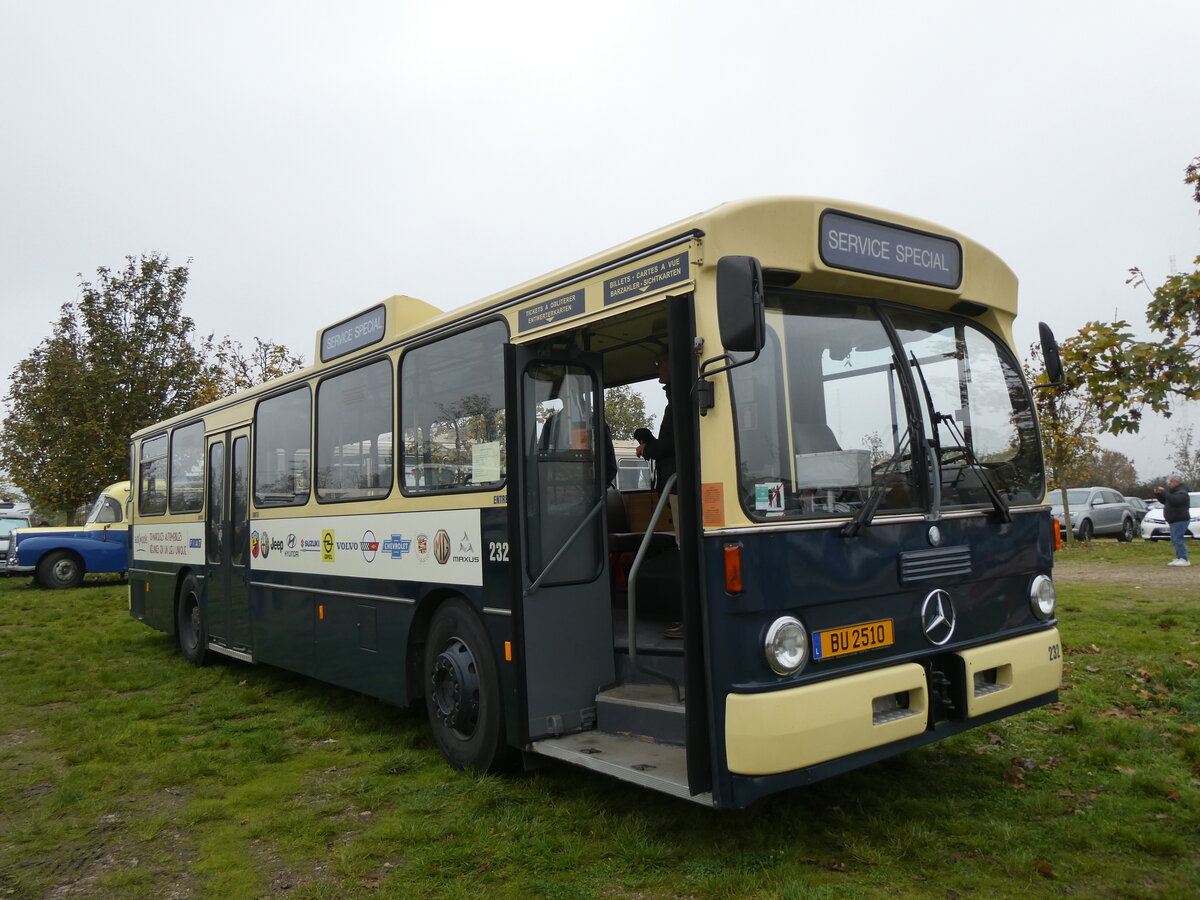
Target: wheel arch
{"points": [[418, 629]]}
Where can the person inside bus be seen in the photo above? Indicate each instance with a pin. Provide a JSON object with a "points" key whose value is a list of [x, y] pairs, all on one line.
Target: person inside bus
{"points": [[661, 449]]}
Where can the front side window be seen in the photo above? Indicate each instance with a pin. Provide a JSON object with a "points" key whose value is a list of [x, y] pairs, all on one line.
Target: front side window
{"points": [[152, 476], [282, 449], [187, 468], [105, 511], [354, 434], [452, 410], [978, 412], [838, 408]]}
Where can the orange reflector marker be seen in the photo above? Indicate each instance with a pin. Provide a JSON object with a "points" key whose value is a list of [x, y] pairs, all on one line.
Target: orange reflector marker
{"points": [[1057, 540], [508, 651], [733, 568], [321, 612]]}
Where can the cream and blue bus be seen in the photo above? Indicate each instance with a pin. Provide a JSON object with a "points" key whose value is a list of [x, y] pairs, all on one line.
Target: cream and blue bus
{"points": [[858, 555]]}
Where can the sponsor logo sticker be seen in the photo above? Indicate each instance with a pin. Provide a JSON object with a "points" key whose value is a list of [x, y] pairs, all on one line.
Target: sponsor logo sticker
{"points": [[441, 547]]}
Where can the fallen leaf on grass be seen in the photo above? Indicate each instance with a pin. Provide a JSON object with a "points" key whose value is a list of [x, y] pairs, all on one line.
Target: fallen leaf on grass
{"points": [[1092, 669], [1045, 869], [1015, 777]]}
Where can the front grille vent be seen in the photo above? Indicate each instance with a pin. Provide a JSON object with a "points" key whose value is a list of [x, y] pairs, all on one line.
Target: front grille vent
{"points": [[932, 565]]}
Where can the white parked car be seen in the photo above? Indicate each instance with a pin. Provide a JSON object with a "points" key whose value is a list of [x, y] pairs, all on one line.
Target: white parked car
{"points": [[1154, 526]]}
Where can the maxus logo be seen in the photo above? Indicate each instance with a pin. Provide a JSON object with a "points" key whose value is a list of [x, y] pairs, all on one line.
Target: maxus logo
{"points": [[369, 546], [441, 547], [466, 551]]}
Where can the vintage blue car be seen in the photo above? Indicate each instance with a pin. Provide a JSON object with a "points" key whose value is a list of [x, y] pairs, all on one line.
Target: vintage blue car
{"points": [[60, 557]]}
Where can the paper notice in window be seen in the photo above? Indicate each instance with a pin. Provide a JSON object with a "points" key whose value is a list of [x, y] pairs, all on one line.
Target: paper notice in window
{"points": [[485, 462], [712, 498]]}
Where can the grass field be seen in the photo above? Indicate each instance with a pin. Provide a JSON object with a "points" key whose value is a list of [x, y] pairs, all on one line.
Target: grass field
{"points": [[125, 773]]}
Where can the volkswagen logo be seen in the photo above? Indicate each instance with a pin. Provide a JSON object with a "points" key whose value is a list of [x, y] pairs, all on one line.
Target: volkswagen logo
{"points": [[938, 617]]}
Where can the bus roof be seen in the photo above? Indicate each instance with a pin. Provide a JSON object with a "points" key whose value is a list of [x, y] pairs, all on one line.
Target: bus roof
{"points": [[781, 231]]}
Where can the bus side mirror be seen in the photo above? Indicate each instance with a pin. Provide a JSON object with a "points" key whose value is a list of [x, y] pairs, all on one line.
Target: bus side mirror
{"points": [[740, 303], [1050, 356]]}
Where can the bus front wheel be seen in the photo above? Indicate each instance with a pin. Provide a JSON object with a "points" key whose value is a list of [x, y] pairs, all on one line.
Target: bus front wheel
{"points": [[462, 691], [192, 627]]}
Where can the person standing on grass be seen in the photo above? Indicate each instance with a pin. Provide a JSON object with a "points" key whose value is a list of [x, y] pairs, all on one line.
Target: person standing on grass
{"points": [[1177, 513]]}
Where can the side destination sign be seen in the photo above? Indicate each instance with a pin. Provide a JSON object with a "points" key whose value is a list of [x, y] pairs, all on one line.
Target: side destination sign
{"points": [[353, 334], [880, 248], [547, 312], [647, 278]]}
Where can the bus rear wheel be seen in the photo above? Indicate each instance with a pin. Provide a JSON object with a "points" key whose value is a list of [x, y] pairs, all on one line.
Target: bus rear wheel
{"points": [[190, 622], [462, 691]]}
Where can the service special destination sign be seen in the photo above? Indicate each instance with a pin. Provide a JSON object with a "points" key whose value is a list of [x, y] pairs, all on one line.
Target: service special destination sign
{"points": [[880, 248], [647, 278], [353, 334], [441, 547]]}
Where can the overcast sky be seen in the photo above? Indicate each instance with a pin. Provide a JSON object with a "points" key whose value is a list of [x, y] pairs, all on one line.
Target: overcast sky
{"points": [[313, 158]]}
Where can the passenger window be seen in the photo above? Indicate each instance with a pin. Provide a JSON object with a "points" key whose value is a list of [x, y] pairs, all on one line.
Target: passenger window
{"points": [[354, 434], [152, 477], [187, 468], [452, 412], [282, 449]]}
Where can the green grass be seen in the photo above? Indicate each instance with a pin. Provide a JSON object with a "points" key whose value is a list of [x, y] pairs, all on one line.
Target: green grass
{"points": [[126, 773]]}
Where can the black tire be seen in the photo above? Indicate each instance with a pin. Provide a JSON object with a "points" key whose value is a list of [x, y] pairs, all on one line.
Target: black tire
{"points": [[1127, 531], [60, 569], [1086, 530], [462, 691], [191, 623]]}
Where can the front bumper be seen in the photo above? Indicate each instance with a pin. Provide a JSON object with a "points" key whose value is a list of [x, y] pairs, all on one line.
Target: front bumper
{"points": [[794, 728]]}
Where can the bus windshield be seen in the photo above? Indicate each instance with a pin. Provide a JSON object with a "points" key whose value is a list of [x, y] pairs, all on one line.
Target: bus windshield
{"points": [[849, 401]]}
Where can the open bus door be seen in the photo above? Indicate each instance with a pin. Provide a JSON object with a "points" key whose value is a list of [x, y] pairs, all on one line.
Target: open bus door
{"points": [[556, 507]]}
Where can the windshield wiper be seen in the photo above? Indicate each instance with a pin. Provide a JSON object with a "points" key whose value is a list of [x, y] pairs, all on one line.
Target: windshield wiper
{"points": [[878, 486], [940, 418]]}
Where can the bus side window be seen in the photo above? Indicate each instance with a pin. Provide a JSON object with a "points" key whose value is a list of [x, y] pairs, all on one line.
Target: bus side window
{"points": [[152, 476], [281, 449], [452, 410]]}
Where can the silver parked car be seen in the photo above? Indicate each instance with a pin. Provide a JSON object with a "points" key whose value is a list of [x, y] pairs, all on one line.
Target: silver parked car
{"points": [[1095, 511]]}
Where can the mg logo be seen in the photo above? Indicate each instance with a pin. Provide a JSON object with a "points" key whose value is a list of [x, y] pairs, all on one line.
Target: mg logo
{"points": [[441, 546]]}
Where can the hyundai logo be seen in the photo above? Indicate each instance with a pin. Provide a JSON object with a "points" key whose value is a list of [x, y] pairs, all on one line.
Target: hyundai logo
{"points": [[938, 617]]}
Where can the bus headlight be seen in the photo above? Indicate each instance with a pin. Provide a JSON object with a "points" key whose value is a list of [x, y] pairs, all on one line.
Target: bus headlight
{"points": [[1042, 597], [786, 645]]}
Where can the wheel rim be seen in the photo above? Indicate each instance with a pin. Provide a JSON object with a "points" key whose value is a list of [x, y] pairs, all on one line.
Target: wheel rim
{"points": [[191, 631], [454, 684], [64, 571]]}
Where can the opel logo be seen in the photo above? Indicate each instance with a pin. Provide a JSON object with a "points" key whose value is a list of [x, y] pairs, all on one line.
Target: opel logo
{"points": [[937, 617]]}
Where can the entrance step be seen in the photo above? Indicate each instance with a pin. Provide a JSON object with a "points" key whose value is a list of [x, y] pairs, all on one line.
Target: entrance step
{"points": [[660, 767], [645, 710]]}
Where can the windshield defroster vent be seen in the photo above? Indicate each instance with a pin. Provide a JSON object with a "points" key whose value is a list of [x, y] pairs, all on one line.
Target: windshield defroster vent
{"points": [[927, 565]]}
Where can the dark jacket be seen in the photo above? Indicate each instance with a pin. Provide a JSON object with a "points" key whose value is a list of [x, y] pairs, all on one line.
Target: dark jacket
{"points": [[1175, 503], [661, 449]]}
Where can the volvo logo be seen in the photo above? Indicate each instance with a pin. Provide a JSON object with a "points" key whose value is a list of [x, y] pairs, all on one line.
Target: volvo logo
{"points": [[937, 617]]}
